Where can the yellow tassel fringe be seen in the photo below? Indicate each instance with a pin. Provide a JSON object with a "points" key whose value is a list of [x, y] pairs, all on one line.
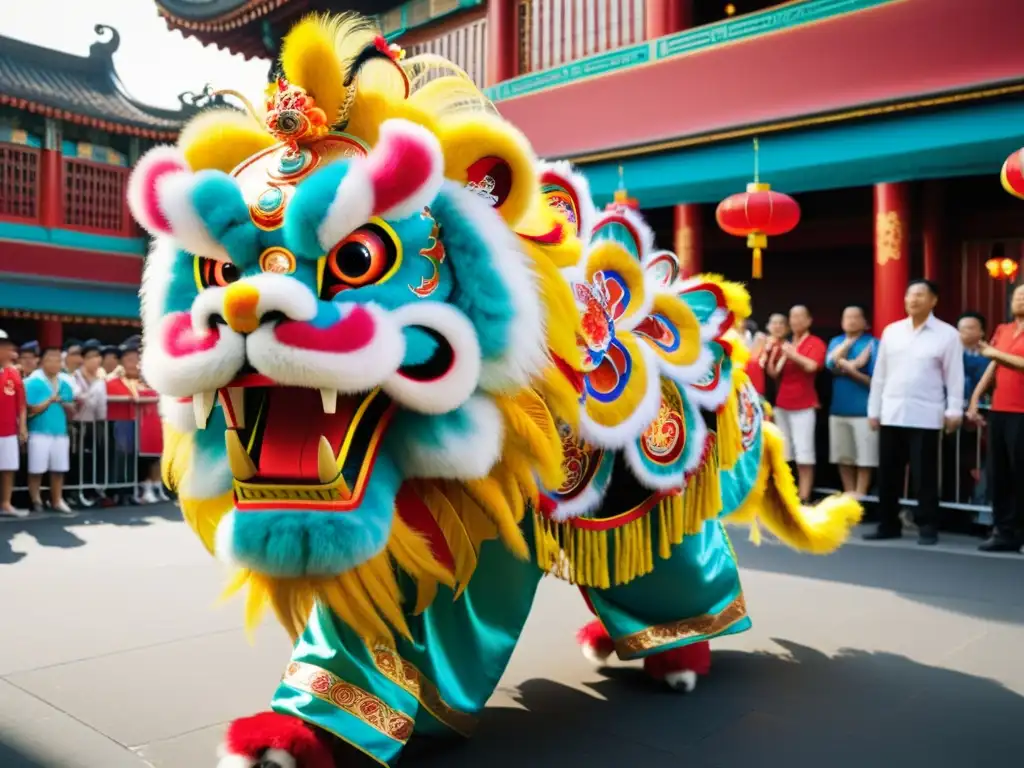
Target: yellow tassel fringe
{"points": [[587, 557]]}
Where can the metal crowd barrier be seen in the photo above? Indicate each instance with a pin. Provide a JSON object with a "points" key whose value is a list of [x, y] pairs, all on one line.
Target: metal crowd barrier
{"points": [[105, 456], [964, 474]]}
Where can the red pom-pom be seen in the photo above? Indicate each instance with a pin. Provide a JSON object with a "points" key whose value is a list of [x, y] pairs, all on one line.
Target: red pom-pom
{"points": [[250, 736], [595, 636]]}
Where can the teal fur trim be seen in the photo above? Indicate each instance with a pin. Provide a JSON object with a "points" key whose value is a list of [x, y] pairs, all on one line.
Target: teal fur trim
{"points": [[429, 431], [291, 544], [308, 208], [479, 291], [218, 202]]}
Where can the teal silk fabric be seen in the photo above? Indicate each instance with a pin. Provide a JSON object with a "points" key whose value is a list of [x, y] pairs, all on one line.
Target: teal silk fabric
{"points": [[684, 600], [460, 650]]}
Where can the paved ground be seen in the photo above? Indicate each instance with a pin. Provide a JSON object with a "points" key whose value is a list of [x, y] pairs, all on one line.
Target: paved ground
{"points": [[113, 655]]}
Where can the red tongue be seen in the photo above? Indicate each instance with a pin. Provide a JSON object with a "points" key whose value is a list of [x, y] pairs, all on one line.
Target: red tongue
{"points": [[295, 419]]}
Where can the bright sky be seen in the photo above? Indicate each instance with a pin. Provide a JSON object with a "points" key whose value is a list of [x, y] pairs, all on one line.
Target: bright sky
{"points": [[154, 63]]}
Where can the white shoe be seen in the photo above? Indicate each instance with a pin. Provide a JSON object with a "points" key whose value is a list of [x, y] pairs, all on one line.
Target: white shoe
{"points": [[62, 508], [14, 512], [149, 495], [161, 493]]}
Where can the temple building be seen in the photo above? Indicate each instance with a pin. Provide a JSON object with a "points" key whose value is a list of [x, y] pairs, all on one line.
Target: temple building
{"points": [[70, 255], [887, 121]]}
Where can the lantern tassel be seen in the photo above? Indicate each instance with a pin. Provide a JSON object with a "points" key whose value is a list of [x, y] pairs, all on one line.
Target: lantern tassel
{"points": [[756, 268]]}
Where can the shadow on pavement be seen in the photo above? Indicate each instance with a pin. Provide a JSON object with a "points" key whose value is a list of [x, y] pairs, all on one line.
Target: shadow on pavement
{"points": [[57, 531], [14, 758], [756, 709], [988, 588]]}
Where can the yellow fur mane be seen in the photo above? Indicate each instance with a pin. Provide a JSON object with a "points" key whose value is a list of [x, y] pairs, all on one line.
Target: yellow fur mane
{"points": [[315, 55]]}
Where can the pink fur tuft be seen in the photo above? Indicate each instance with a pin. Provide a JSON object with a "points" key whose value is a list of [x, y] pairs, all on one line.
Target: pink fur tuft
{"points": [[406, 169], [143, 200]]}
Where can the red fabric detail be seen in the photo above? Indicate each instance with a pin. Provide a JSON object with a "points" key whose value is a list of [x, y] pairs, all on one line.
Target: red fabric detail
{"points": [[351, 333], [180, 340], [416, 515], [756, 374], [796, 386], [250, 736], [695, 657], [575, 377], [1009, 394], [398, 167], [12, 401], [546, 505], [552, 237], [595, 636]]}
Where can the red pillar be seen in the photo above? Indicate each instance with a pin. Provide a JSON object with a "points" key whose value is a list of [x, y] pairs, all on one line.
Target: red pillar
{"points": [[666, 17], [51, 177], [892, 252], [931, 229], [502, 41], [688, 239], [51, 333]]}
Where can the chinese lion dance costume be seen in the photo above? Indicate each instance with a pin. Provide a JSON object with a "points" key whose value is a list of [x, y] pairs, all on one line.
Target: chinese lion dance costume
{"points": [[406, 370]]}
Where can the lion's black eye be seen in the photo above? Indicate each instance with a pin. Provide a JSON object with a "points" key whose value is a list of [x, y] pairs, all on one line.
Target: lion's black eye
{"points": [[369, 255], [212, 273]]}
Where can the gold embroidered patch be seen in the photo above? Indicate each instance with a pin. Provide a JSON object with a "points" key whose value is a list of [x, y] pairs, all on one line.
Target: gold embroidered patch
{"points": [[666, 634]]}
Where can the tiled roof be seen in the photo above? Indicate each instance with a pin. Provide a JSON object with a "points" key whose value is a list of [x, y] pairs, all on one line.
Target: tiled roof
{"points": [[84, 89]]}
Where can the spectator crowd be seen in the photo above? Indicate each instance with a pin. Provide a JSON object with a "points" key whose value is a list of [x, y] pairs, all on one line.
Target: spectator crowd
{"points": [[918, 396], [72, 413]]}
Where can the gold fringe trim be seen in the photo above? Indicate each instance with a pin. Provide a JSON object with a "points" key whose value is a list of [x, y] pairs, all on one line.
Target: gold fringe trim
{"points": [[589, 559]]}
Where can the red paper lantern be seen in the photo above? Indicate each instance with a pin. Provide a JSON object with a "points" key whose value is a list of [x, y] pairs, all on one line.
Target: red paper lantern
{"points": [[758, 213], [1012, 174], [1002, 269]]}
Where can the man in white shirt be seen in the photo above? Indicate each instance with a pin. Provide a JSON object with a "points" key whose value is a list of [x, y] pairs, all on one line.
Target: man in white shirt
{"points": [[917, 391]]}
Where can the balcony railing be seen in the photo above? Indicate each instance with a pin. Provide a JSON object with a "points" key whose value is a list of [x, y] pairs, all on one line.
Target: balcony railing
{"points": [[464, 46], [94, 196], [556, 32], [19, 183]]}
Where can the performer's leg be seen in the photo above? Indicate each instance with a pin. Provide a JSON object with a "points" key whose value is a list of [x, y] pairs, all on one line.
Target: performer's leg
{"points": [[686, 600], [372, 700]]}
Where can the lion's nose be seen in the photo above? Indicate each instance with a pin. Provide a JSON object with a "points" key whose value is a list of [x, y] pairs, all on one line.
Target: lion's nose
{"points": [[240, 307]]}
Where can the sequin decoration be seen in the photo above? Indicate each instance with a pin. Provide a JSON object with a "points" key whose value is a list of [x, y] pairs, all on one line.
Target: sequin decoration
{"points": [[277, 261], [663, 441], [292, 114], [268, 211]]}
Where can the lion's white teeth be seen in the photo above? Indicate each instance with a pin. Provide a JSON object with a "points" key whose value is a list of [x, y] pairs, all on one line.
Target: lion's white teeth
{"points": [[329, 398], [326, 464], [241, 464], [232, 400], [202, 407]]}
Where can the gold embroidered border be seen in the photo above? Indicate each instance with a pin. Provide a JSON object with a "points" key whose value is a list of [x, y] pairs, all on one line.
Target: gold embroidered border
{"points": [[666, 634], [405, 675], [330, 688]]}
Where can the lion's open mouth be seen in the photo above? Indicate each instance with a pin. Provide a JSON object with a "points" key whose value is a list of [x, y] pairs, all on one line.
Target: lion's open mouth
{"points": [[299, 448]]}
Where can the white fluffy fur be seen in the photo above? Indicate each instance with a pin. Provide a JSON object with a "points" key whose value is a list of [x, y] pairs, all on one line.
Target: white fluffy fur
{"points": [[454, 389], [383, 155], [178, 414], [587, 213], [684, 681], [459, 456], [156, 278], [208, 481], [278, 293], [183, 376], [526, 354], [349, 372], [695, 437], [174, 191], [592, 654], [620, 435], [224, 540], [636, 219], [355, 201], [351, 208]]}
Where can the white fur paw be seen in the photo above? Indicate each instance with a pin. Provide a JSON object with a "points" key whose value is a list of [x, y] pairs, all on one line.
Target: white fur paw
{"points": [[277, 758], [684, 681], [595, 655]]}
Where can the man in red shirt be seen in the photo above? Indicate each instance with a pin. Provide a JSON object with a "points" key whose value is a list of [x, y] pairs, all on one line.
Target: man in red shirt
{"points": [[796, 403], [1006, 428], [13, 429]]}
